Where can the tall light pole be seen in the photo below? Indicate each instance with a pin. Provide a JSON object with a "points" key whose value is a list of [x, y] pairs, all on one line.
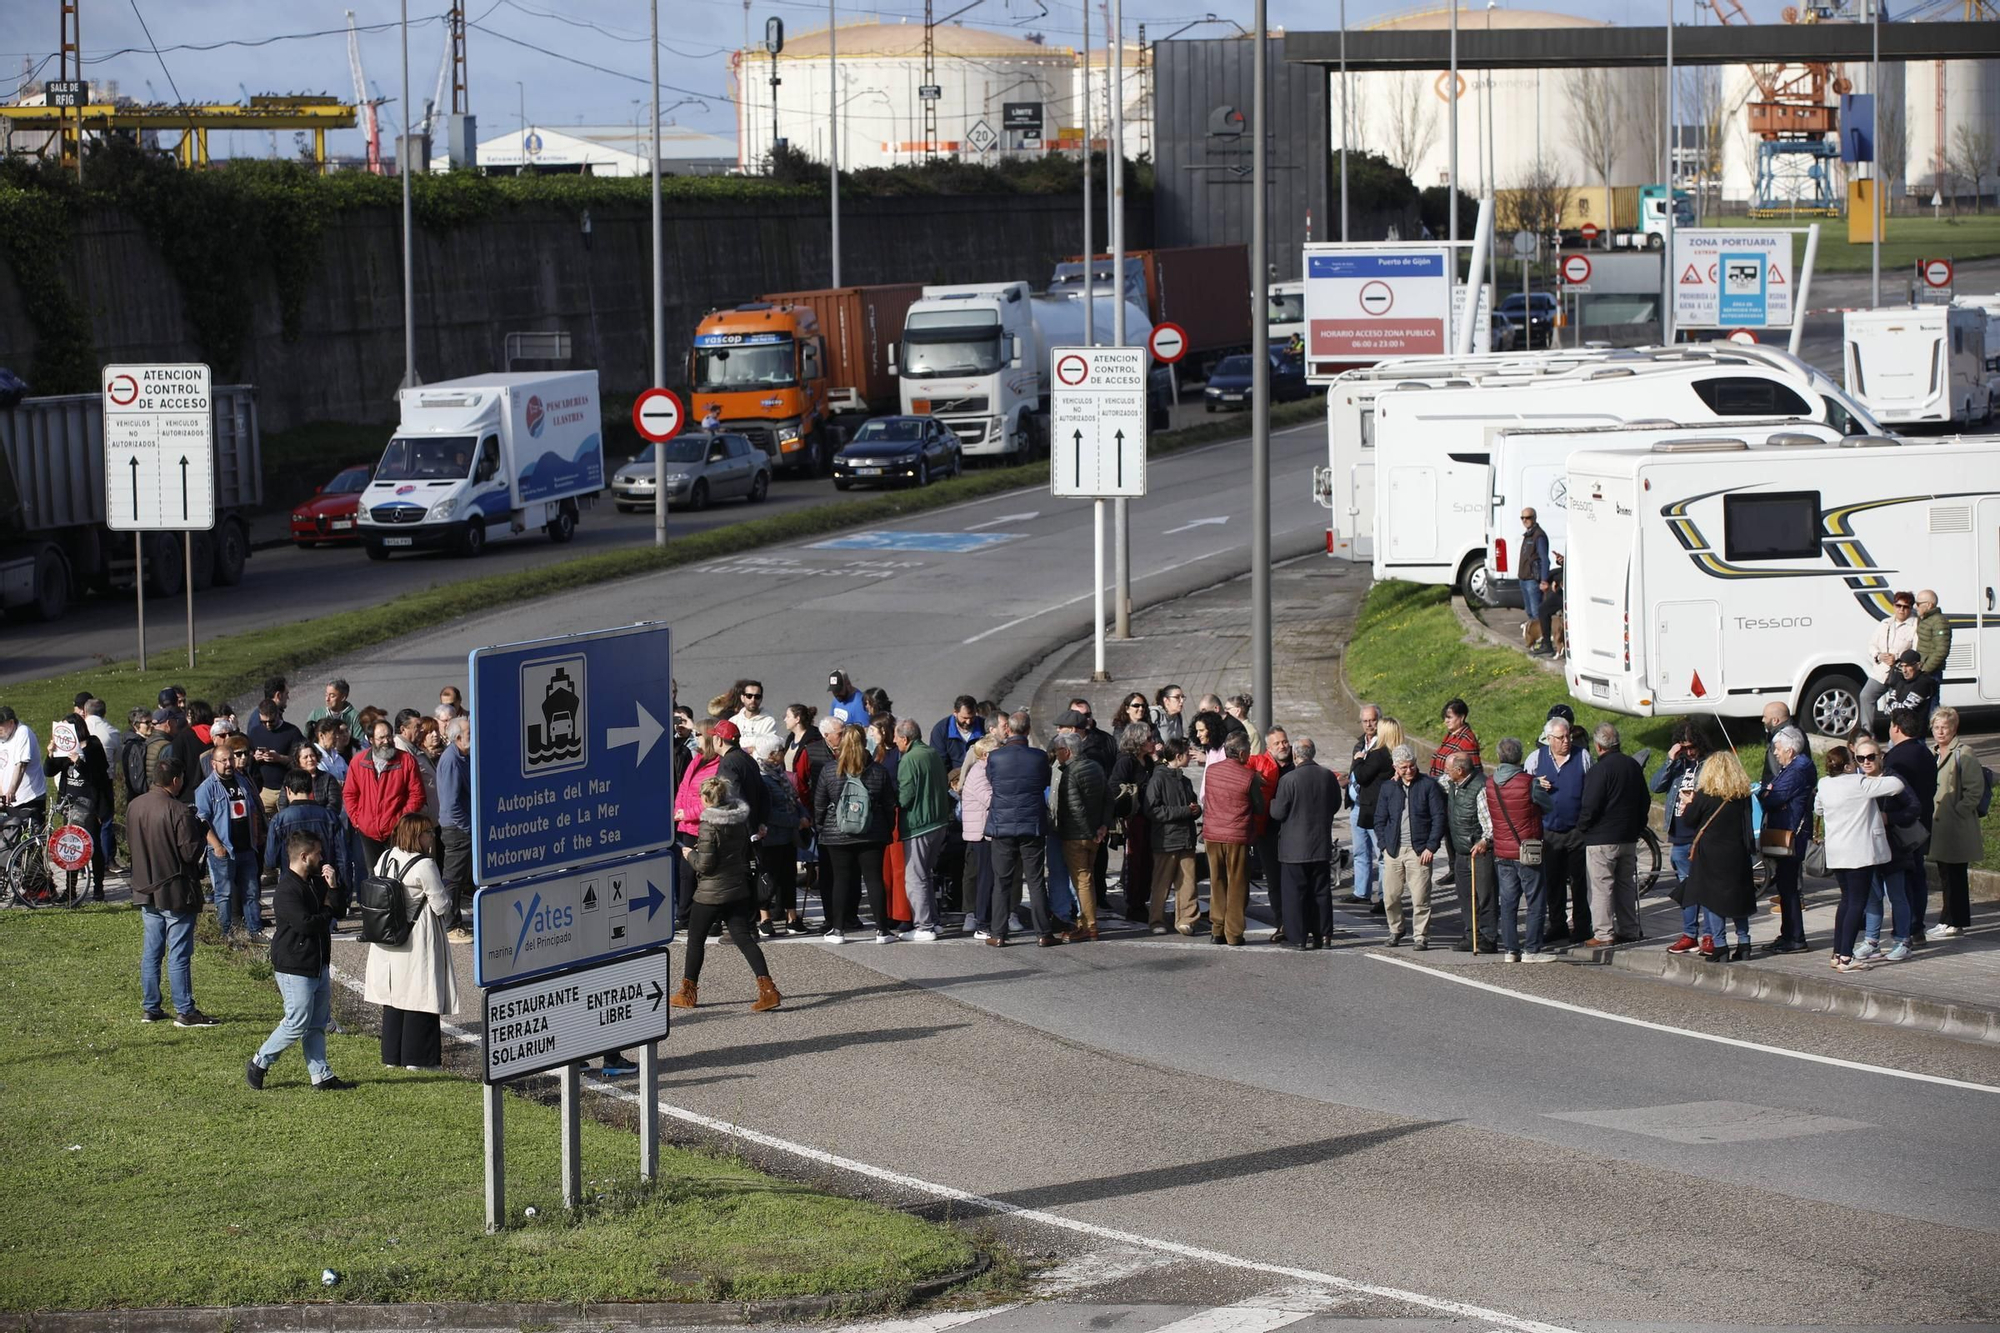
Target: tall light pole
{"points": [[1089, 250], [1346, 125], [1260, 387], [1451, 178], [660, 296], [1880, 201], [1121, 602], [833, 127], [1667, 249], [410, 379]]}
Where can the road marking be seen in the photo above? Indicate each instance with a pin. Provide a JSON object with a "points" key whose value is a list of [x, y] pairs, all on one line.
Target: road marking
{"points": [[1165, 569], [1259, 1314], [1004, 518], [1198, 523], [1588, 1012], [1097, 1269], [1196, 1253]]}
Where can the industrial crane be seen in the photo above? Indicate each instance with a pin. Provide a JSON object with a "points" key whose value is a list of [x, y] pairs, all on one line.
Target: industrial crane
{"points": [[1793, 123], [371, 124]]}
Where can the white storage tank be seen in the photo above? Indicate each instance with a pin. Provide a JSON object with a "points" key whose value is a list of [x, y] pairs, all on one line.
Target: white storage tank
{"points": [[1941, 96]]}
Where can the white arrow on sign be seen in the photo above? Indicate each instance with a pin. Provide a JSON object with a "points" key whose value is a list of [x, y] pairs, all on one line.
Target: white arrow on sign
{"points": [[645, 735], [1189, 527], [1003, 519]]}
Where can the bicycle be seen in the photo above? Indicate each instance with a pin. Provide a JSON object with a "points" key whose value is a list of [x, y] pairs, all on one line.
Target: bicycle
{"points": [[24, 868]]}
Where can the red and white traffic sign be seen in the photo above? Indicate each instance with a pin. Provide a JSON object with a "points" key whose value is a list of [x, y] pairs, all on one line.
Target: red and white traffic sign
{"points": [[1575, 269], [1071, 370], [1168, 343], [658, 415], [1588, 231], [1742, 336], [1936, 272], [70, 847]]}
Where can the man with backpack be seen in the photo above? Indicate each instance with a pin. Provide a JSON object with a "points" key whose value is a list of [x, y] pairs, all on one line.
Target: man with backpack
{"points": [[301, 950]]}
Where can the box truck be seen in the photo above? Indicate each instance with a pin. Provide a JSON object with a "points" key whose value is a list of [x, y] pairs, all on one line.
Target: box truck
{"points": [[977, 358], [1203, 288], [1715, 573], [860, 325], [53, 542], [1925, 363], [1433, 497], [483, 459], [762, 369]]}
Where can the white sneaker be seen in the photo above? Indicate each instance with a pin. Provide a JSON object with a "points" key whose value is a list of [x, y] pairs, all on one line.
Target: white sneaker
{"points": [[924, 936], [1949, 932], [886, 937], [1538, 958], [981, 935], [1867, 949], [833, 937]]}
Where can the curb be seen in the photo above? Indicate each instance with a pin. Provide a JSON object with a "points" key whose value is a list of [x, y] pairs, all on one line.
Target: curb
{"points": [[1960, 1021], [466, 1315]]}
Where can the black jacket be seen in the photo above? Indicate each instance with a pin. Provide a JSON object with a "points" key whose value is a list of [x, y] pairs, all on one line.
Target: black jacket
{"points": [[1080, 808], [1719, 868], [1913, 762], [1615, 802], [1171, 823], [1308, 798], [132, 766], [747, 777], [1097, 744], [881, 807], [1371, 772], [302, 943]]}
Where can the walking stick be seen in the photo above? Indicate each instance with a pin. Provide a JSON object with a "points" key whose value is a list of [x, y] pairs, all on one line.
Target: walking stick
{"points": [[1472, 903]]}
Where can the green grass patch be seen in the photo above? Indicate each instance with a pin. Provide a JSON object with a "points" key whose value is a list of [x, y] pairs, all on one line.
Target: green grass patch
{"points": [[142, 1171], [236, 664], [1905, 240]]}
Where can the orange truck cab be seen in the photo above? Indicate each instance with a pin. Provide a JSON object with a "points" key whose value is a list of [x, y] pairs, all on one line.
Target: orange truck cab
{"points": [[761, 369]]}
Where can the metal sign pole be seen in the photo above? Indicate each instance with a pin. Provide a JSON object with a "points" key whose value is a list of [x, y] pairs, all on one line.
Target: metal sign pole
{"points": [[139, 587], [1121, 603], [496, 1157], [572, 1135], [1260, 378], [187, 557], [649, 1111], [1802, 294], [659, 294]]}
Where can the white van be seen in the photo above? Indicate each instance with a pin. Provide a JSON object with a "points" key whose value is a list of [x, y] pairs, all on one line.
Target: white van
{"points": [[1926, 363], [1714, 573], [1531, 471], [1433, 498], [483, 459]]}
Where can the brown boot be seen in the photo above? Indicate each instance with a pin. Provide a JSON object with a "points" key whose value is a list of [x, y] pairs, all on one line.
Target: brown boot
{"points": [[767, 996], [684, 997]]}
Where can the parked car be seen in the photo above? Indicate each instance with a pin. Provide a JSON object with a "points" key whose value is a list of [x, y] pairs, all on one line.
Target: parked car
{"points": [[700, 467], [909, 449], [1229, 383], [1535, 310], [329, 515], [1507, 334]]}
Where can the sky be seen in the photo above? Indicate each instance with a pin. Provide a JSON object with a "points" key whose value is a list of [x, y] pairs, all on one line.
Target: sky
{"points": [[525, 51]]}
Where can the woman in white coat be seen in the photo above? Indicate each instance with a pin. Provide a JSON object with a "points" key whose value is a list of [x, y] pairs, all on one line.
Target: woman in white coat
{"points": [[413, 981], [1857, 843]]}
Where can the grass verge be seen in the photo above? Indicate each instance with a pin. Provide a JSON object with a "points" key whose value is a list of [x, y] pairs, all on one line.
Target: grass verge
{"points": [[236, 664], [1409, 654], [155, 1177]]}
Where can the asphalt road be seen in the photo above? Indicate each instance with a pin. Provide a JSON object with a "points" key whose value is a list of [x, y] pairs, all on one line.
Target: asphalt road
{"points": [[1332, 1114]]}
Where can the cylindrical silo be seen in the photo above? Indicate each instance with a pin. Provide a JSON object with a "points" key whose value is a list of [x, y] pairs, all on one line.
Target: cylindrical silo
{"points": [[1941, 97]]}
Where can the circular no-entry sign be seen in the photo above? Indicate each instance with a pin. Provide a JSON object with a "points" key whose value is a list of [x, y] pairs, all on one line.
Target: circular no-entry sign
{"points": [[658, 415], [122, 390], [1575, 270], [1376, 297], [1742, 336], [1072, 370], [1937, 272], [1168, 343], [1588, 231], [70, 847]]}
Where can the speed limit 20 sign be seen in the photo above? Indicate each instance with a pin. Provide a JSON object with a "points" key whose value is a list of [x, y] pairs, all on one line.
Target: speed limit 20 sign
{"points": [[658, 416]]}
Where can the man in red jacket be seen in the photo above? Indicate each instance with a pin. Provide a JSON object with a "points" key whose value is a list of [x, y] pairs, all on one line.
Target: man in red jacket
{"points": [[1231, 802], [382, 786]]}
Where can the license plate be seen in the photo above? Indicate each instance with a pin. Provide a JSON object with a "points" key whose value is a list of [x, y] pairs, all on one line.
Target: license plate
{"points": [[343, 523], [399, 541], [1600, 689], [1232, 397], [869, 471]]}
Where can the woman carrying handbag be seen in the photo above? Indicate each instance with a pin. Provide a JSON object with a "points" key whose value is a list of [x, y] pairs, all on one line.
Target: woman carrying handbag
{"points": [[1719, 880], [413, 981]]}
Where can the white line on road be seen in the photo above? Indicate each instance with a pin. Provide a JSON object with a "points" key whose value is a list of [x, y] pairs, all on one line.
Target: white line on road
{"points": [[1688, 1032], [1004, 518], [1022, 620], [1259, 1314], [1198, 523]]}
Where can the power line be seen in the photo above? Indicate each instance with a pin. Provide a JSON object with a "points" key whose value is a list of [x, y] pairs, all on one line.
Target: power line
{"points": [[248, 42]]}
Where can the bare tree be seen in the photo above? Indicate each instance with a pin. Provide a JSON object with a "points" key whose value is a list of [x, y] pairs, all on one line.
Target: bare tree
{"points": [[1892, 150], [1970, 158], [1649, 113], [1708, 117], [1537, 199], [1413, 122], [1594, 123]]}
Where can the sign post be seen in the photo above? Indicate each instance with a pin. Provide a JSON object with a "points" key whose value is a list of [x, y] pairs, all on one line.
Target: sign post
{"points": [[159, 463], [658, 416], [1097, 441]]}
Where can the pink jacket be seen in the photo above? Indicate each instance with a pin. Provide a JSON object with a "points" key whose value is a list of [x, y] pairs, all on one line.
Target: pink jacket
{"points": [[975, 798], [687, 800]]}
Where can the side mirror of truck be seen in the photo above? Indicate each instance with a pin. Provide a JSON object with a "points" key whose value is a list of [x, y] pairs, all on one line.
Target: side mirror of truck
{"points": [[895, 362], [1014, 351]]}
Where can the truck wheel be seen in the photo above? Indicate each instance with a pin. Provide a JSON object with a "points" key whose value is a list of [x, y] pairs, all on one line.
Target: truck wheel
{"points": [[164, 567], [49, 595], [201, 555], [232, 549], [1832, 704], [1655, 241], [473, 544], [1476, 583], [563, 526]]}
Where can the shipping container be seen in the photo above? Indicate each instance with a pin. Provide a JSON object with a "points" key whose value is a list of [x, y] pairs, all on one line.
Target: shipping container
{"points": [[860, 325]]}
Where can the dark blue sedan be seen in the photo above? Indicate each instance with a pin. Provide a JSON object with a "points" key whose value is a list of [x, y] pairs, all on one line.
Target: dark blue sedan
{"points": [[1228, 387], [890, 450]]}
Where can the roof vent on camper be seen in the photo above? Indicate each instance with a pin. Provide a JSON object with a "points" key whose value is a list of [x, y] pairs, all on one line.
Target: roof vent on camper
{"points": [[1705, 444], [1791, 439], [1611, 373], [1870, 442]]}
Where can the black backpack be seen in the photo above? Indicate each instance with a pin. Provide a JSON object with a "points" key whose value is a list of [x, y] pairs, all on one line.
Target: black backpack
{"points": [[384, 906]]}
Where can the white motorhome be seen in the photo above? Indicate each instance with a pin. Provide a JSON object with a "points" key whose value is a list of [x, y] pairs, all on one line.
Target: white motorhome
{"points": [[977, 358], [1531, 471], [1714, 573], [1927, 363], [483, 459], [1433, 497]]}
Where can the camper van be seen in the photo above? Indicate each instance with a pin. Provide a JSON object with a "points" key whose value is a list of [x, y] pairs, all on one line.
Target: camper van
{"points": [[1531, 471], [1714, 572], [1926, 363], [1433, 494]]}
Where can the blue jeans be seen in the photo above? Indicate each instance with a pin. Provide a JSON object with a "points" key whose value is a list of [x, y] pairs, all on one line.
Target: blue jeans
{"points": [[1531, 602], [236, 895], [1680, 854], [1062, 893], [169, 935], [308, 1004], [1367, 873], [1713, 925], [1519, 885], [1892, 881]]}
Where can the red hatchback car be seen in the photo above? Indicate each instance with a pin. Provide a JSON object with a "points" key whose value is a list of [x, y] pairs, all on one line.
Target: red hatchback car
{"points": [[329, 515]]}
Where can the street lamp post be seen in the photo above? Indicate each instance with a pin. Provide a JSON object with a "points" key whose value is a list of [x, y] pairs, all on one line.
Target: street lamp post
{"points": [[1121, 602], [409, 247], [1260, 385], [659, 299]]}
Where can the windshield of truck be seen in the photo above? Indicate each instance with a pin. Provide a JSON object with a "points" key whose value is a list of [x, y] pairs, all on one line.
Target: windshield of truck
{"points": [[1286, 308], [948, 342], [427, 458], [745, 366]]}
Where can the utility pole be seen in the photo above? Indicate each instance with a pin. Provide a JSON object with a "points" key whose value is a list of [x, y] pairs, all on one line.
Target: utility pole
{"points": [[410, 380], [1260, 385], [1346, 125], [1121, 602], [1879, 201], [660, 294], [930, 79], [1451, 180], [833, 127], [1667, 249], [70, 66]]}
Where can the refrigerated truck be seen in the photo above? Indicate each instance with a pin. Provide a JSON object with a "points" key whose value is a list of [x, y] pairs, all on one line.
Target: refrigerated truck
{"points": [[1924, 364], [486, 458], [977, 358], [1715, 574], [54, 545]]}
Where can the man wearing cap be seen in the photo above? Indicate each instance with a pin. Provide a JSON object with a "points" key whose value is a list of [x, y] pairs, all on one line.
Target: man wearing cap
{"points": [[848, 704], [228, 805], [175, 737], [1892, 638], [1409, 827], [1913, 688]]}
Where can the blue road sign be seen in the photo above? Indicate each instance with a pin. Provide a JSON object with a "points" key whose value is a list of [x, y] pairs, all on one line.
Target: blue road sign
{"points": [[1742, 302], [958, 543], [553, 923], [571, 757]]}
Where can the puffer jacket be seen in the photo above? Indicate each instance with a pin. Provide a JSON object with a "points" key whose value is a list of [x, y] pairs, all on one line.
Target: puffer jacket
{"points": [[1168, 796], [781, 822], [1018, 774], [1077, 801], [975, 800], [1511, 808], [881, 807], [1789, 802], [1231, 801], [1427, 815], [687, 797], [721, 856]]}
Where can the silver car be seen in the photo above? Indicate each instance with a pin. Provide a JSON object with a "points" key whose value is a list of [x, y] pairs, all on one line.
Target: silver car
{"points": [[700, 467]]}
